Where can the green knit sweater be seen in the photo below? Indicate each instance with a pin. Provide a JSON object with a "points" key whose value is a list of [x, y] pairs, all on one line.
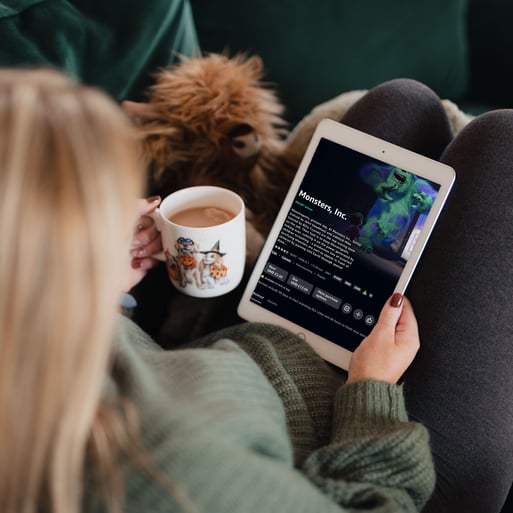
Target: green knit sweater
{"points": [[252, 420]]}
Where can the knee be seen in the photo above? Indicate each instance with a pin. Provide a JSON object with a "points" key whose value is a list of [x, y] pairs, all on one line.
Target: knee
{"points": [[401, 96], [486, 139], [404, 85], [405, 90], [491, 123], [404, 112]]}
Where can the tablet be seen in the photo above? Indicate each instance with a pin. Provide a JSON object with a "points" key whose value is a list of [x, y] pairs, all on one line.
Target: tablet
{"points": [[350, 233]]}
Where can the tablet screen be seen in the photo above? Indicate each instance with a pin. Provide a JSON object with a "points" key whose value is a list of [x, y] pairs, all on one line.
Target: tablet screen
{"points": [[343, 244]]}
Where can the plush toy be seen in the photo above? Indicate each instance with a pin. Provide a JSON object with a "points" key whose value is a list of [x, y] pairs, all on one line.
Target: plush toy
{"points": [[212, 121]]}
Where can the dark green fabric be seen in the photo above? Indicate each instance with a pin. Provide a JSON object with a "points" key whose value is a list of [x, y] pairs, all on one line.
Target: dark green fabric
{"points": [[13, 7], [115, 45], [490, 40], [315, 50]]}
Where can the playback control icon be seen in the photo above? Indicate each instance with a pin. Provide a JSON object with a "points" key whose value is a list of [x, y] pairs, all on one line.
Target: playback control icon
{"points": [[347, 308]]}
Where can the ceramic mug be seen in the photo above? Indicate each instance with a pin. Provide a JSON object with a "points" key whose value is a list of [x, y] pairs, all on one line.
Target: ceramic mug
{"points": [[203, 261]]}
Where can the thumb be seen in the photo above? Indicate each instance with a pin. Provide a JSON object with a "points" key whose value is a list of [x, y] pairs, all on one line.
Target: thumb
{"points": [[391, 311]]}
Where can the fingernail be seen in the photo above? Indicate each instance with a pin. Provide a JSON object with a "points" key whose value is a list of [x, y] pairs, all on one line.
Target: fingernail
{"points": [[139, 227], [136, 264], [153, 199], [136, 242], [397, 300]]}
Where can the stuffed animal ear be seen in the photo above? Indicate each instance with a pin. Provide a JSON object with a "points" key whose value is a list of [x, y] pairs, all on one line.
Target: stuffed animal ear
{"points": [[255, 66], [244, 140], [143, 111]]}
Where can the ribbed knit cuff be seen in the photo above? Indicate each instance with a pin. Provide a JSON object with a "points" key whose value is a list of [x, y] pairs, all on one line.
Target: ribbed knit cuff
{"points": [[366, 407]]}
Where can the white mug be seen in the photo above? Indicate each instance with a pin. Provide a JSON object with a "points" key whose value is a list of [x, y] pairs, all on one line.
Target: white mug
{"points": [[203, 261]]}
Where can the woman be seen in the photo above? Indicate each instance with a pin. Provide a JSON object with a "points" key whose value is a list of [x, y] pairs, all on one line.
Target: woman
{"points": [[94, 416], [68, 171]]}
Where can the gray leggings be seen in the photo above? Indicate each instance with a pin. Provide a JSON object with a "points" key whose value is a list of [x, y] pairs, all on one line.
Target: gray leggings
{"points": [[461, 383]]}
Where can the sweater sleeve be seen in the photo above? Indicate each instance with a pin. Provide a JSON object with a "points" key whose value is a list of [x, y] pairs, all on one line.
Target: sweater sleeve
{"points": [[376, 453], [374, 471], [216, 430]]}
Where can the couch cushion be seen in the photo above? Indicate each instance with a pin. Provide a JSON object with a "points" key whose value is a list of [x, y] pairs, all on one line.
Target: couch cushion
{"points": [[114, 44], [314, 50]]}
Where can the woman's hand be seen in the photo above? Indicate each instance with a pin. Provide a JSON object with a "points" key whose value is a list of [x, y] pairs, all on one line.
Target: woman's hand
{"points": [[145, 243], [390, 347]]}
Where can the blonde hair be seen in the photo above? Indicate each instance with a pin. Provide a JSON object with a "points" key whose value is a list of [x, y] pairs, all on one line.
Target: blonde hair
{"points": [[69, 176]]}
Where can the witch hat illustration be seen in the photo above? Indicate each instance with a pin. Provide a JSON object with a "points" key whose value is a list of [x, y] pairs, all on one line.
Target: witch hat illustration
{"points": [[215, 249]]}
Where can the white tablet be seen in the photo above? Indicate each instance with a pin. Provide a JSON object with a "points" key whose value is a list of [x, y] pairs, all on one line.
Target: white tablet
{"points": [[350, 232]]}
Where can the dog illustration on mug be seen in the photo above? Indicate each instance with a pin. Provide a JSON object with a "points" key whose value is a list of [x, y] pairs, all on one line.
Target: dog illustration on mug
{"points": [[185, 268], [212, 268]]}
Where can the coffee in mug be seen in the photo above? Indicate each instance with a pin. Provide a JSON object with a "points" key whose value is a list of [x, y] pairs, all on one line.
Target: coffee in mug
{"points": [[201, 217]]}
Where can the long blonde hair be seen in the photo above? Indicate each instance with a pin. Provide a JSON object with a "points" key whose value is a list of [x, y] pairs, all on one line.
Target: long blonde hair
{"points": [[69, 176]]}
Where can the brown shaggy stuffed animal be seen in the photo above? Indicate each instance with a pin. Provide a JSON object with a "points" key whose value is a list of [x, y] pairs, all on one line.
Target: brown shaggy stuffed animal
{"points": [[212, 121]]}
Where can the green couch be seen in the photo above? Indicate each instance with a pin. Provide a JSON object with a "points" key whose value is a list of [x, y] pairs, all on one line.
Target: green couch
{"points": [[315, 50], [115, 45], [312, 50]]}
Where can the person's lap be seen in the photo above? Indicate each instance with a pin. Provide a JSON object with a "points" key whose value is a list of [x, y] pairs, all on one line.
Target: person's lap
{"points": [[459, 384]]}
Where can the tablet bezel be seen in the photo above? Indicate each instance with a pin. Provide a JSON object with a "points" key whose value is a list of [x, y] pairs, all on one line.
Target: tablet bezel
{"points": [[373, 147]]}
